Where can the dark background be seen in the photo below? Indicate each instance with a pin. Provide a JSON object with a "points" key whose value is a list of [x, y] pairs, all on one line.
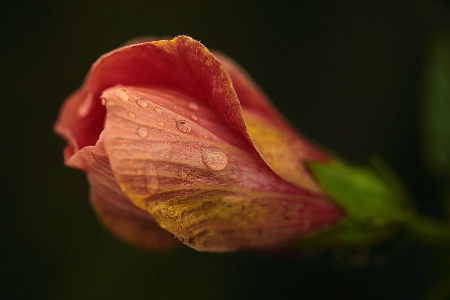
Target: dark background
{"points": [[346, 73]]}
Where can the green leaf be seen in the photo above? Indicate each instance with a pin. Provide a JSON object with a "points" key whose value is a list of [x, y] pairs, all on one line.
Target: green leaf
{"points": [[362, 192], [376, 204]]}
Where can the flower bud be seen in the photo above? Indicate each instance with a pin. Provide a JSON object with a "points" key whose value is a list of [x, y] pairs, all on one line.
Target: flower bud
{"points": [[178, 141]]}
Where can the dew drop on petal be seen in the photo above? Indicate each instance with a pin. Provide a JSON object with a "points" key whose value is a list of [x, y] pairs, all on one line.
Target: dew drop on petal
{"points": [[183, 173], [108, 102], [183, 126], [141, 102], [160, 123], [131, 114], [232, 173], [193, 106], [121, 94], [142, 132], [214, 158], [158, 110]]}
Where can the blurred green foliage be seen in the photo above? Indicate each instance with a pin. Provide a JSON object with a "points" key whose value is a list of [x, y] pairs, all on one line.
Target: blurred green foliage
{"points": [[436, 106], [376, 205]]}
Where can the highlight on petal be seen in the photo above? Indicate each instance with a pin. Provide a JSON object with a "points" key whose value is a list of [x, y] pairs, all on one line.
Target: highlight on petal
{"points": [[200, 180]]}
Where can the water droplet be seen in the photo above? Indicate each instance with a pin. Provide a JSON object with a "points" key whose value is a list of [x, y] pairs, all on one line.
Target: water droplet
{"points": [[160, 123], [194, 117], [108, 102], [183, 126], [232, 173], [214, 158], [141, 102], [122, 94], [158, 110], [183, 173], [142, 132], [131, 114], [193, 106]]}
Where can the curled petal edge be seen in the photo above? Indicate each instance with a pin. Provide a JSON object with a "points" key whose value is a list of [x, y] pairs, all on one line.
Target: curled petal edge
{"points": [[185, 64], [210, 208]]}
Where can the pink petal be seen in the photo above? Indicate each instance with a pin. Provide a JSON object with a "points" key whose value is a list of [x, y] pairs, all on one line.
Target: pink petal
{"points": [[201, 181], [185, 64], [286, 152], [114, 209], [80, 131]]}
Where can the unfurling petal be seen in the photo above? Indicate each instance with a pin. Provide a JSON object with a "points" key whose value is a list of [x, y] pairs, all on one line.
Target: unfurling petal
{"points": [[177, 159], [186, 141], [185, 64], [276, 141], [114, 209]]}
